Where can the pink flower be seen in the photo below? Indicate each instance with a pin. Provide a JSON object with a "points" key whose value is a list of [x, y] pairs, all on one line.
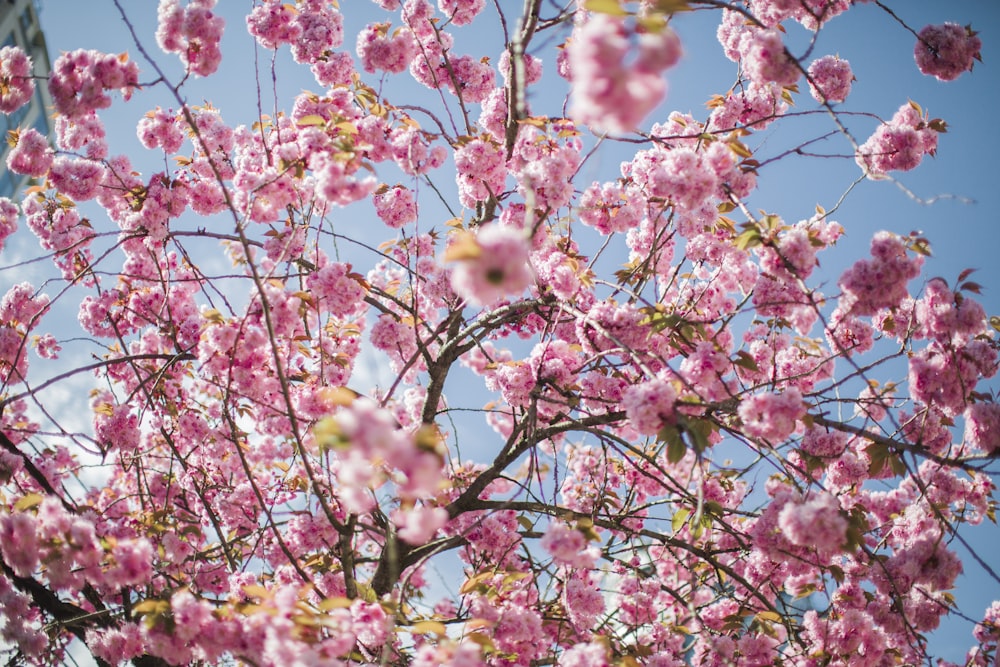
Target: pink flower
{"points": [[982, 426], [461, 12], [481, 171], [134, 563], [418, 525], [491, 264], [8, 219], [609, 95], [161, 129], [19, 542], [336, 289], [379, 50], [272, 24], [395, 206], [80, 78], [16, 82], [77, 179], [830, 79], [321, 29], [193, 33], [766, 61], [880, 282], [335, 70], [650, 405], [946, 51], [772, 417], [568, 546], [900, 144], [593, 654], [31, 155], [815, 522]]}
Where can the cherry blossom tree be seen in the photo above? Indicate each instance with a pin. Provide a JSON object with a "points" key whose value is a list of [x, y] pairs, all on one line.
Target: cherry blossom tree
{"points": [[625, 421]]}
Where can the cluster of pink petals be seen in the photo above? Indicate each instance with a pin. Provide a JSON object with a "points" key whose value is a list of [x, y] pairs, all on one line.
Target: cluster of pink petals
{"points": [[80, 79], [16, 82], [609, 94], [830, 79], [498, 268], [192, 32], [569, 546], [946, 51], [816, 521], [395, 205], [31, 155], [880, 282], [381, 51], [461, 12], [898, 145], [772, 417], [982, 426], [649, 405]]}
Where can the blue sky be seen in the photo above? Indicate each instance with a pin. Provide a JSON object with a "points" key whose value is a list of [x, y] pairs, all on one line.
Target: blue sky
{"points": [[963, 225]]}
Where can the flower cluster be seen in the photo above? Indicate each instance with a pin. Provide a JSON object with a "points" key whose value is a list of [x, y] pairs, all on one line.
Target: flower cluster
{"points": [[80, 79], [879, 282], [16, 82], [946, 51], [772, 417], [830, 79], [192, 32], [609, 94], [900, 144], [492, 264]]}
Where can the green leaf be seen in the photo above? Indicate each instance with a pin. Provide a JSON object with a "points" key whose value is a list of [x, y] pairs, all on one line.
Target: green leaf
{"points": [[429, 627], [675, 444], [679, 518], [749, 239], [610, 7], [28, 501]]}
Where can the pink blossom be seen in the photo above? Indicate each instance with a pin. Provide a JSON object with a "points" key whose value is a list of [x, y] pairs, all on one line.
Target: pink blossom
{"points": [[830, 79], [816, 522], [19, 543], [766, 61], [161, 129], [336, 289], [395, 205], [80, 78], [649, 405], [946, 51], [492, 264], [193, 33], [31, 155], [608, 94], [461, 12], [8, 219], [321, 28], [481, 171], [379, 50], [418, 525], [134, 563], [900, 144], [16, 82], [568, 546], [272, 24], [982, 426], [334, 70], [593, 654], [879, 282], [772, 417]]}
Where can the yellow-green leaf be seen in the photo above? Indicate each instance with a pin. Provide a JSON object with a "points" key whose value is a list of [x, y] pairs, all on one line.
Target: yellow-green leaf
{"points": [[428, 627], [28, 501], [610, 7]]}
